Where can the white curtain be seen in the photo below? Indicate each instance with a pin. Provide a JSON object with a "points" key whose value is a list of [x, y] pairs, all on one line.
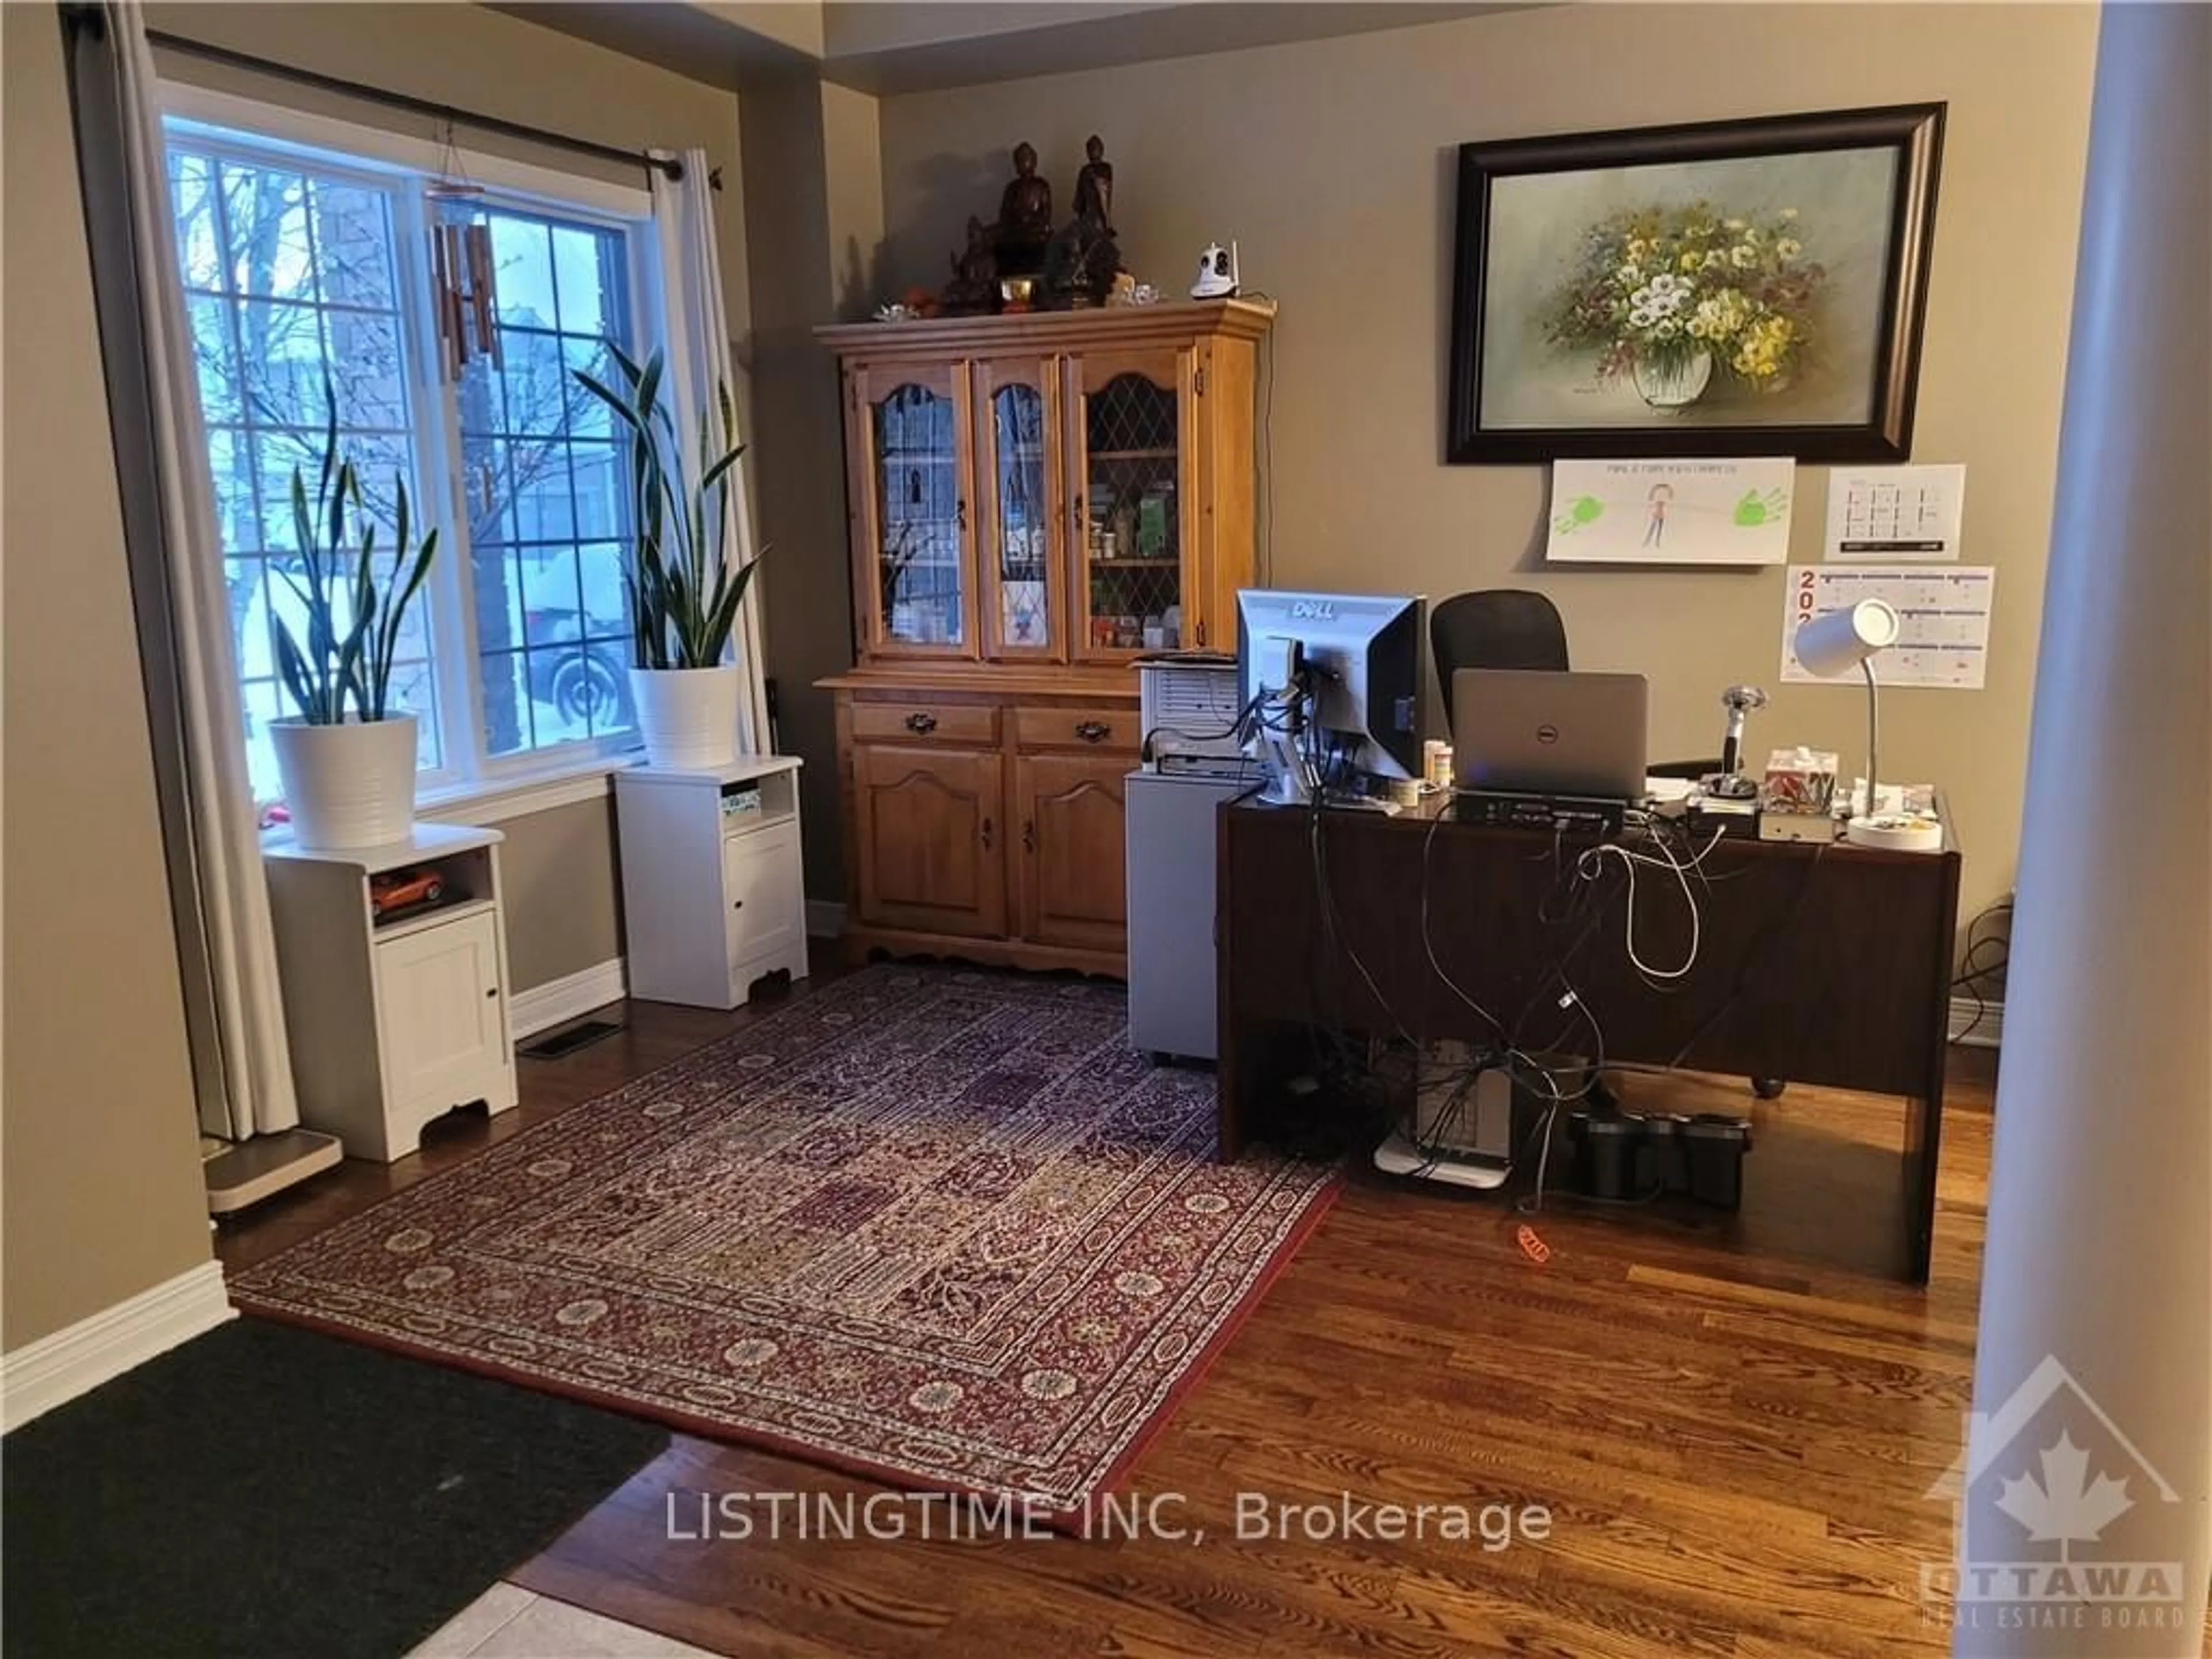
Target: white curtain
{"points": [[698, 335], [233, 896]]}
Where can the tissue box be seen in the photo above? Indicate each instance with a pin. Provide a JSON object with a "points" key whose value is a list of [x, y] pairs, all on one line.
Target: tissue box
{"points": [[1801, 782]]}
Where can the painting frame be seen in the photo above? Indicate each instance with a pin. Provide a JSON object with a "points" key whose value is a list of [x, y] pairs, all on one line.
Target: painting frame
{"points": [[1912, 133]]}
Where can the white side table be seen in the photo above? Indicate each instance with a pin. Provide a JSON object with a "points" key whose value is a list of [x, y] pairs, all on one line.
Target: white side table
{"points": [[713, 891], [393, 1022]]}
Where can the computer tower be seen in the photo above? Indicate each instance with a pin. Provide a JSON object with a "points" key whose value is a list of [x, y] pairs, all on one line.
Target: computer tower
{"points": [[1170, 841]]}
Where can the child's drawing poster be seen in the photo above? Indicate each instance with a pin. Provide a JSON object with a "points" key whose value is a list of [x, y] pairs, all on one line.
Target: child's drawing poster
{"points": [[1719, 512]]}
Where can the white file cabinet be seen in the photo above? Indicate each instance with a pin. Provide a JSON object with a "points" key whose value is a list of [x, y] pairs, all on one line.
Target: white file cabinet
{"points": [[393, 1021], [714, 893]]}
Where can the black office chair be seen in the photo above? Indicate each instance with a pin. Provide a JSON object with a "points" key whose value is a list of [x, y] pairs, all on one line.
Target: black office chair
{"points": [[1514, 628], [1496, 628]]}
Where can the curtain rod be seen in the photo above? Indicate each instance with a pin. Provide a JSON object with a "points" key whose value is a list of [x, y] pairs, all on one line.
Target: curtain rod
{"points": [[241, 60]]}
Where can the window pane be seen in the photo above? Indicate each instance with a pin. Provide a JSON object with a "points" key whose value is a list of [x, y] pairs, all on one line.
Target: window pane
{"points": [[199, 237], [550, 613], [264, 703], [587, 287], [353, 243], [506, 703], [550, 486], [294, 284], [602, 483], [521, 258], [369, 371], [543, 509], [606, 603], [264, 228], [283, 361], [588, 417]]}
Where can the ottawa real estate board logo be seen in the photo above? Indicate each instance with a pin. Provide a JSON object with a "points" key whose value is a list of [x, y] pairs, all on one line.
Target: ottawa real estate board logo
{"points": [[2055, 1514]]}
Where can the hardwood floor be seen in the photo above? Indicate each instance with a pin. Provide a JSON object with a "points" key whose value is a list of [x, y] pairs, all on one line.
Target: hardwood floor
{"points": [[1731, 1424]]}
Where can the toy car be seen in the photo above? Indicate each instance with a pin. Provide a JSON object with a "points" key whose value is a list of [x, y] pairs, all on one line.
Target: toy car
{"points": [[393, 891]]}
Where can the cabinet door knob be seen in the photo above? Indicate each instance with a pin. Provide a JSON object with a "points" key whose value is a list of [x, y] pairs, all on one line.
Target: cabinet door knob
{"points": [[737, 904], [986, 834], [1029, 836], [1093, 731], [920, 720], [492, 992]]}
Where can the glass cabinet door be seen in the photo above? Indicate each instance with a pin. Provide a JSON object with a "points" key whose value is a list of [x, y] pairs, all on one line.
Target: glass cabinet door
{"points": [[1019, 545], [917, 545], [1131, 489]]}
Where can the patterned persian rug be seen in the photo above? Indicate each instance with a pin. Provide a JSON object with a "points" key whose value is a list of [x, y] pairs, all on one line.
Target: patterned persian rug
{"points": [[941, 1228]]}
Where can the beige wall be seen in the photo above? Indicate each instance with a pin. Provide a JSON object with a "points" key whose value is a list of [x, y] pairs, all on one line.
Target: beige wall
{"points": [[100, 1181], [814, 212], [1331, 163], [563, 892], [496, 65]]}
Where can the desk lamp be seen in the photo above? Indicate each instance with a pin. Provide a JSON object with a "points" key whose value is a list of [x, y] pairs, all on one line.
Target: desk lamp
{"points": [[1835, 644]]}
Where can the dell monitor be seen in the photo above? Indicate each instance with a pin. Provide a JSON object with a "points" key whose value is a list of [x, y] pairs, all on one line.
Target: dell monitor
{"points": [[1332, 684]]}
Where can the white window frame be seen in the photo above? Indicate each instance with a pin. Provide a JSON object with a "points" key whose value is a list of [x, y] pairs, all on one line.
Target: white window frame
{"points": [[495, 787]]}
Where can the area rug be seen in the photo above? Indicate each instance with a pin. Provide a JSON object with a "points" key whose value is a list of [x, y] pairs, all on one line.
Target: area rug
{"points": [[938, 1227]]}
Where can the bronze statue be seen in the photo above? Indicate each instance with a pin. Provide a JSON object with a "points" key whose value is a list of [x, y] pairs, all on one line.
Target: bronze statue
{"points": [[975, 284], [1024, 216], [1094, 186]]}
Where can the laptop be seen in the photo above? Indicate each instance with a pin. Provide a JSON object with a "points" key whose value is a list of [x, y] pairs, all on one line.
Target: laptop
{"points": [[1539, 732]]}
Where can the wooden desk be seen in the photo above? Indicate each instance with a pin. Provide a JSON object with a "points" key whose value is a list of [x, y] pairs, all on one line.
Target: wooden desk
{"points": [[1821, 965]]}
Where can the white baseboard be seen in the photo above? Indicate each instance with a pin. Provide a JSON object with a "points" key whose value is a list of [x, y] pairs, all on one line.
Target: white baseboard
{"points": [[77, 1358], [542, 1006], [825, 918], [1987, 1032]]}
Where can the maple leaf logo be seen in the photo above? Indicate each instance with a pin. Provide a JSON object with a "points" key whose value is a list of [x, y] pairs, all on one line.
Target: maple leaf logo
{"points": [[2065, 1507]]}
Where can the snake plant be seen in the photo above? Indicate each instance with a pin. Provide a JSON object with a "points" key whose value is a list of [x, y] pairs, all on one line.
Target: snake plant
{"points": [[348, 660], [684, 594]]}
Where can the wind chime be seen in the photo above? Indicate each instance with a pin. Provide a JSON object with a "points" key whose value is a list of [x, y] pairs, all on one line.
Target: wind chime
{"points": [[461, 276]]}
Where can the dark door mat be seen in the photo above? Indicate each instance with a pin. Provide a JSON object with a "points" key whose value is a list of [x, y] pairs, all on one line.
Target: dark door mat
{"points": [[267, 1489], [567, 1039]]}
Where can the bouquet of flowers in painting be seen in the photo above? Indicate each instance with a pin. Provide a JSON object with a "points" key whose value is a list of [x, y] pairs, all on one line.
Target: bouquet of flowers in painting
{"points": [[1671, 296]]}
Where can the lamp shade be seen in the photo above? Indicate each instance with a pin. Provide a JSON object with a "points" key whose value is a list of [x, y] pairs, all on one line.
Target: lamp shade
{"points": [[1840, 640]]}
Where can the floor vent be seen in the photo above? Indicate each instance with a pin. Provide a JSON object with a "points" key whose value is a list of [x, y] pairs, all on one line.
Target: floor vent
{"points": [[569, 1038]]}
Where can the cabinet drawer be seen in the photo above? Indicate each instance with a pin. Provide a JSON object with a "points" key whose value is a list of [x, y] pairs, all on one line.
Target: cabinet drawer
{"points": [[1103, 728], [924, 721]]}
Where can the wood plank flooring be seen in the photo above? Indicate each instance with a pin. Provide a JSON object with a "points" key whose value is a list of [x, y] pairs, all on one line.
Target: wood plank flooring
{"points": [[1730, 1423]]}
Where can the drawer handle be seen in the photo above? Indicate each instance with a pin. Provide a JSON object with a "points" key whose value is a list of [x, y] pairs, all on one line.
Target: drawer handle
{"points": [[1029, 835], [1093, 731], [919, 721], [986, 834]]}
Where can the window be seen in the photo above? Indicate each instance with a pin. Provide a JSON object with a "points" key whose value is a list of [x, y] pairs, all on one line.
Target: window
{"points": [[302, 266]]}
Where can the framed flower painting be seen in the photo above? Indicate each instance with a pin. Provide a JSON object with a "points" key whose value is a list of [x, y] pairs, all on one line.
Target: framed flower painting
{"points": [[1732, 287]]}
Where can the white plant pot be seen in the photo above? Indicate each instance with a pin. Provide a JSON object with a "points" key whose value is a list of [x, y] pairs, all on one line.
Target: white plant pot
{"points": [[687, 716], [348, 785]]}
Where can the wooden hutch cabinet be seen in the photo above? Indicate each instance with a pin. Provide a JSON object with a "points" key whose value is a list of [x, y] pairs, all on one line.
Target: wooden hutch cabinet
{"points": [[1034, 501]]}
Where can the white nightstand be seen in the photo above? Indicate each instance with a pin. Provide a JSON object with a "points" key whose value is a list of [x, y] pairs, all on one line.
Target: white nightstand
{"points": [[395, 1022], [713, 897]]}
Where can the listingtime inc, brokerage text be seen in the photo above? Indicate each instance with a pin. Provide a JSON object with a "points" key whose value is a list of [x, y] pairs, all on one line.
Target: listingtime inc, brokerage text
{"points": [[700, 1516]]}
